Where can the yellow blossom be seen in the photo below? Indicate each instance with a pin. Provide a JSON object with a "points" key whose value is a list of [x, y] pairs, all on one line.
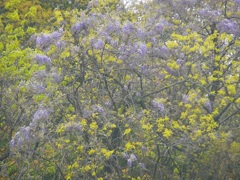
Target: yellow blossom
{"points": [[129, 146], [167, 133], [93, 126], [91, 152]]}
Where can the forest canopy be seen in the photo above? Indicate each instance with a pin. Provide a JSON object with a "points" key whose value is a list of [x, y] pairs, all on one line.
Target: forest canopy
{"points": [[106, 90]]}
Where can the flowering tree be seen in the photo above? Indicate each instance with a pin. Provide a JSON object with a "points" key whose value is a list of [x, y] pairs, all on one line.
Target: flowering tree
{"points": [[155, 96], [19, 20]]}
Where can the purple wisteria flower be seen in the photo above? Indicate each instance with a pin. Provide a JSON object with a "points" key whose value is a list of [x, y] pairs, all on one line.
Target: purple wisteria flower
{"points": [[180, 62], [132, 159], [129, 163], [38, 88], [99, 44], [158, 28], [56, 77], [113, 27], [60, 44], [128, 28], [12, 143], [209, 14], [208, 106], [153, 40], [228, 26], [185, 98], [141, 34], [181, 56], [141, 48], [43, 59], [142, 166], [25, 131], [113, 43], [158, 105], [19, 142], [145, 69], [41, 114], [79, 27], [43, 40], [56, 35], [162, 52], [99, 109], [237, 2]]}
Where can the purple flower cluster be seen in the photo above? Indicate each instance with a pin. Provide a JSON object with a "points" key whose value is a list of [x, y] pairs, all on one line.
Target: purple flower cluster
{"points": [[99, 109], [25, 131], [113, 43], [185, 98], [38, 88], [60, 44], [128, 28], [237, 2], [228, 26], [43, 59], [141, 48], [79, 27], [41, 114], [145, 69], [141, 34], [56, 77], [158, 105], [162, 52], [208, 106], [209, 14], [158, 28], [45, 40], [132, 159], [21, 136], [112, 28], [99, 44], [180, 62], [56, 35]]}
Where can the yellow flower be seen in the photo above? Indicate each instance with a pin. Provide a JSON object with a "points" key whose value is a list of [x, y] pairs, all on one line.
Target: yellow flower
{"points": [[127, 131], [93, 126], [80, 148], [87, 168], [171, 44], [91, 152], [106, 153], [129, 146], [231, 89], [167, 133]]}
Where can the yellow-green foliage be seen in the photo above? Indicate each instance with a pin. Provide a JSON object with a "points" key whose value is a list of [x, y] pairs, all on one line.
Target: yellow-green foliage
{"points": [[118, 109]]}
